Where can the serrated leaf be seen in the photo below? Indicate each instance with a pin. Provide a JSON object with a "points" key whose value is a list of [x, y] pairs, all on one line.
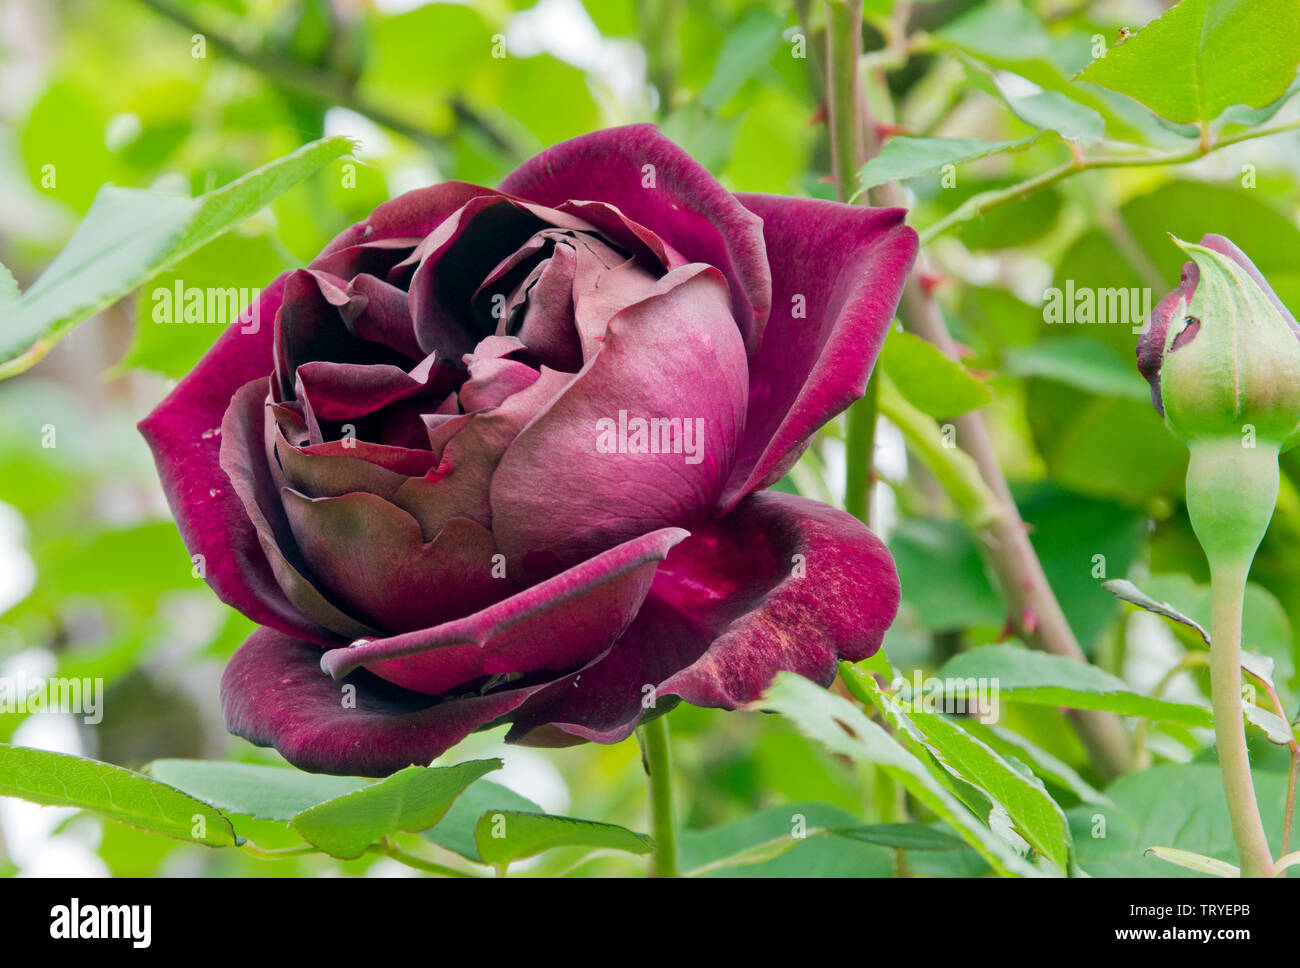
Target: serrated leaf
{"points": [[128, 237], [62, 780], [456, 830], [1125, 590], [1029, 810], [1204, 56], [1023, 675], [411, 800], [1042, 762], [509, 835], [1038, 818], [823, 715], [904, 157], [8, 288], [265, 792], [1194, 862], [931, 382]]}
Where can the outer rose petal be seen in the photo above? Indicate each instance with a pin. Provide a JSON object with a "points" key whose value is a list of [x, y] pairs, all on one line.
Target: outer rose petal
{"points": [[560, 624], [686, 207], [848, 264], [726, 614], [273, 693], [183, 432]]}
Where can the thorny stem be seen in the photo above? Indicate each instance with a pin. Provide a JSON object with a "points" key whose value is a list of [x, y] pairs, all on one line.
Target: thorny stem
{"points": [[656, 756], [1003, 538], [848, 153], [1289, 813]]}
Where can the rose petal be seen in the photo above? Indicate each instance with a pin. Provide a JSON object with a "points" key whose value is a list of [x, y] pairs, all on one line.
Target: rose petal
{"points": [[381, 313], [557, 499], [371, 559], [559, 624], [474, 444], [837, 274], [653, 182], [184, 433], [726, 614], [273, 693], [243, 457]]}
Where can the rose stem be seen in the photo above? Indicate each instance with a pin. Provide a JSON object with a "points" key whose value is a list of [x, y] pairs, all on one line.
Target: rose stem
{"points": [[848, 153], [656, 757], [1227, 586], [1035, 611]]}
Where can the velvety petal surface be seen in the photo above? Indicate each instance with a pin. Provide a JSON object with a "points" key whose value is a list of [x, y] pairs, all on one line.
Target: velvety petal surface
{"points": [[837, 275], [273, 693], [781, 583], [559, 624], [573, 484]]}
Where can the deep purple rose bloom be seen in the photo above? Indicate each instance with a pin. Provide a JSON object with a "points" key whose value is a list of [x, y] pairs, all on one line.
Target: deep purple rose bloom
{"points": [[498, 456]]}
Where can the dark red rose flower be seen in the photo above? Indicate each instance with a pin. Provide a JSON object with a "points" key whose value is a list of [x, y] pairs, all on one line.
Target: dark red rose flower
{"points": [[499, 456]]}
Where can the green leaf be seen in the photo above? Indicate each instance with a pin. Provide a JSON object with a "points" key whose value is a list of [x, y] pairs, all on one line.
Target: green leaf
{"points": [[1053, 111], [8, 288], [1265, 628], [797, 839], [411, 800], [904, 157], [265, 792], [902, 836], [1023, 675], [1046, 110], [1177, 806], [508, 835], [1037, 817], [128, 237], [1194, 862], [1043, 763], [456, 830], [820, 713], [61, 780], [1277, 729], [1204, 56], [748, 48], [930, 381], [1009, 37], [1125, 590], [1081, 362], [1250, 117]]}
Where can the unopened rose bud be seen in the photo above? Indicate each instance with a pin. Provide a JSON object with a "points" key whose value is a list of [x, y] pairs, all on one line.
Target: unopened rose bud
{"points": [[1221, 352], [1222, 355]]}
